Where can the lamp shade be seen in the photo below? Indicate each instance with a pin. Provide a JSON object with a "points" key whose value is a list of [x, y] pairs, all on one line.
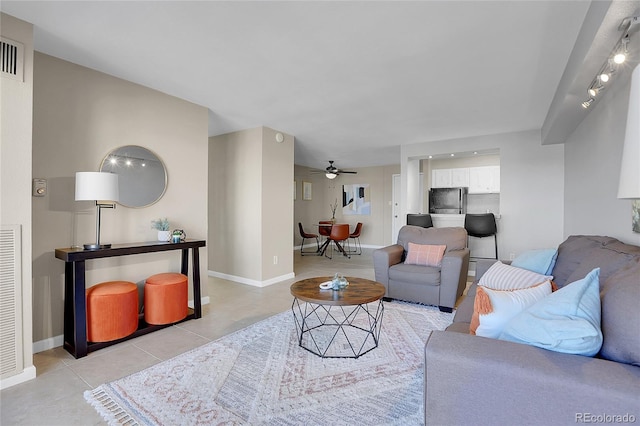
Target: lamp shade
{"points": [[629, 186], [96, 186]]}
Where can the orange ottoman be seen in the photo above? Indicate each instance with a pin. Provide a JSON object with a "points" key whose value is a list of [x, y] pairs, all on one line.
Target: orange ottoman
{"points": [[112, 311], [165, 298]]}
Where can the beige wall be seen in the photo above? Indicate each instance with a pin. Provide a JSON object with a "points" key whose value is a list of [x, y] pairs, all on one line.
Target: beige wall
{"points": [[79, 115], [250, 206], [15, 176], [376, 228]]}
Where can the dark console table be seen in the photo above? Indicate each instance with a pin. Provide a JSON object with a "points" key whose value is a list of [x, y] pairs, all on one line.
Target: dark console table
{"points": [[75, 302]]}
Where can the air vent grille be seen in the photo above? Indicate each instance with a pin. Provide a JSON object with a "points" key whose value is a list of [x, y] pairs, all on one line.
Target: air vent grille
{"points": [[10, 323], [11, 59]]}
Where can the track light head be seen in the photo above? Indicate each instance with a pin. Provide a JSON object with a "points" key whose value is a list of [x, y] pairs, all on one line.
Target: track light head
{"points": [[587, 104], [621, 55]]}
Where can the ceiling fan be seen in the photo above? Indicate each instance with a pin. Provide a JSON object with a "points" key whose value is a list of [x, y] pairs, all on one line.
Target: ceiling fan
{"points": [[332, 171]]}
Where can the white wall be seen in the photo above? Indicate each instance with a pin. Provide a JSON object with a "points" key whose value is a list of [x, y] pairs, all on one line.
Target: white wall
{"points": [[531, 186], [79, 115], [15, 177], [592, 169]]}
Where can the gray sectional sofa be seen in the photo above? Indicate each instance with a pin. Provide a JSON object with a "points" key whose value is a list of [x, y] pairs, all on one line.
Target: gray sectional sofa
{"points": [[472, 380]]}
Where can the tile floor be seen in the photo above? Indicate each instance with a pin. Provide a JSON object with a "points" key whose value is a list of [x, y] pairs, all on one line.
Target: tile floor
{"points": [[55, 397]]}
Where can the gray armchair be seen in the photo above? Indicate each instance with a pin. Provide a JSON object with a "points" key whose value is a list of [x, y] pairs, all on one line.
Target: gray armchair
{"points": [[439, 286]]}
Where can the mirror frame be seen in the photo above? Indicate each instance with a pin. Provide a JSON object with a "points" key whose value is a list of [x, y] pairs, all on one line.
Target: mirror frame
{"points": [[138, 147]]}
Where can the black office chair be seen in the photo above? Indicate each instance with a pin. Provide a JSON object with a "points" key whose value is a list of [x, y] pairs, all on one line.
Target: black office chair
{"points": [[304, 236], [480, 226], [423, 220]]}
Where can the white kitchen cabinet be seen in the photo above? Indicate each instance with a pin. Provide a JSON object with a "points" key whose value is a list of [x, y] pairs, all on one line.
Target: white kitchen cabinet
{"points": [[483, 180], [441, 178], [450, 178], [460, 177]]}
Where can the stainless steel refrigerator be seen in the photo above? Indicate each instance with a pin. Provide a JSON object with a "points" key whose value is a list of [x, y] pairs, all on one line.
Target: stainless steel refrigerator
{"points": [[448, 200]]}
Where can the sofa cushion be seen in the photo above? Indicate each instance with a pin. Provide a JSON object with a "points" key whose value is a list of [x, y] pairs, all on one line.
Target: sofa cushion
{"points": [[506, 305], [415, 274], [566, 321], [454, 238], [610, 258], [541, 261], [572, 252], [621, 316], [425, 254]]}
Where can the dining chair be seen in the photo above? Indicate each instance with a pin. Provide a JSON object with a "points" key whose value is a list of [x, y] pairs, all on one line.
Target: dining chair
{"points": [[480, 226], [324, 228], [355, 236], [307, 235], [339, 234], [423, 220]]}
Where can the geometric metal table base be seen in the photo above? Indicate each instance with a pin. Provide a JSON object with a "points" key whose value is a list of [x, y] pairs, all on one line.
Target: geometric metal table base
{"points": [[346, 331]]}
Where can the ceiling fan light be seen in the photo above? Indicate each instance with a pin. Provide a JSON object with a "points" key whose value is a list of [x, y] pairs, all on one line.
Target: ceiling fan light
{"points": [[331, 175]]}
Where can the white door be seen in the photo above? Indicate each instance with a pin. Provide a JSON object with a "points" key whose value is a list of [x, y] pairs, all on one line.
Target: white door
{"points": [[396, 220]]}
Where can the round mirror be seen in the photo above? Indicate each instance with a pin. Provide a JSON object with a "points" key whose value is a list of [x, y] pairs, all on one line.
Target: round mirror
{"points": [[142, 177]]}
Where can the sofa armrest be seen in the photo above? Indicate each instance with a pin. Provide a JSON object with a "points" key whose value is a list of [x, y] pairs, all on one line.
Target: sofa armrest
{"points": [[475, 380], [383, 258], [482, 265], [453, 276]]}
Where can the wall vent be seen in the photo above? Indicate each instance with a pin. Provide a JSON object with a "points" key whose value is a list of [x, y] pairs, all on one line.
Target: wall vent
{"points": [[11, 59], [10, 301]]}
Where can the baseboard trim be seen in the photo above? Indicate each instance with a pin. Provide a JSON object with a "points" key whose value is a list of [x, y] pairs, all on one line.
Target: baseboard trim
{"points": [[254, 283], [46, 344], [27, 374], [56, 341]]}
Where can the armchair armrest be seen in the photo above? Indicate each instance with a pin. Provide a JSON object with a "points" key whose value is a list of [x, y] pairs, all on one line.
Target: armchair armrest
{"points": [[383, 258], [475, 380], [453, 276], [482, 265]]}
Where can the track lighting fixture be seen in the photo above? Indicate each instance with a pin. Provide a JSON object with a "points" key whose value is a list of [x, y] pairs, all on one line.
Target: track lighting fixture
{"points": [[586, 104], [617, 57]]}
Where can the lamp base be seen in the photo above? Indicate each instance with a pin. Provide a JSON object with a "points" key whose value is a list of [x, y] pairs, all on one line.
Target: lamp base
{"points": [[96, 246]]}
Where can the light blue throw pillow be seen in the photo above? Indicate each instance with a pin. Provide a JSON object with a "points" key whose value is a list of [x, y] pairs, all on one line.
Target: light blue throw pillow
{"points": [[541, 261], [565, 321]]}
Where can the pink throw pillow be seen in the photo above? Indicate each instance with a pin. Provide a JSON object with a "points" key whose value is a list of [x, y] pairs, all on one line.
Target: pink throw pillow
{"points": [[426, 255]]}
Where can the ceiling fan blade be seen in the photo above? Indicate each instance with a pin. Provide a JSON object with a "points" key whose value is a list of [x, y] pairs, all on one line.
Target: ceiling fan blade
{"points": [[345, 171]]}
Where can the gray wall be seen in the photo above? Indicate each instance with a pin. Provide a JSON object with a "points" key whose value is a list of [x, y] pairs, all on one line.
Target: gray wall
{"points": [[592, 169]]}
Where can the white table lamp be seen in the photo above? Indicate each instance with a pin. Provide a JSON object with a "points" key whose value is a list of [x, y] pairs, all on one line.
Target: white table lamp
{"points": [[101, 188]]}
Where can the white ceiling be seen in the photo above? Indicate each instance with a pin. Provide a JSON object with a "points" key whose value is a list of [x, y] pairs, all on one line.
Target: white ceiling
{"points": [[352, 81]]}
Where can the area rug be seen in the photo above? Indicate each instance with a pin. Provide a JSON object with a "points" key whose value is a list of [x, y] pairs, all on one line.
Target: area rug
{"points": [[260, 376]]}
